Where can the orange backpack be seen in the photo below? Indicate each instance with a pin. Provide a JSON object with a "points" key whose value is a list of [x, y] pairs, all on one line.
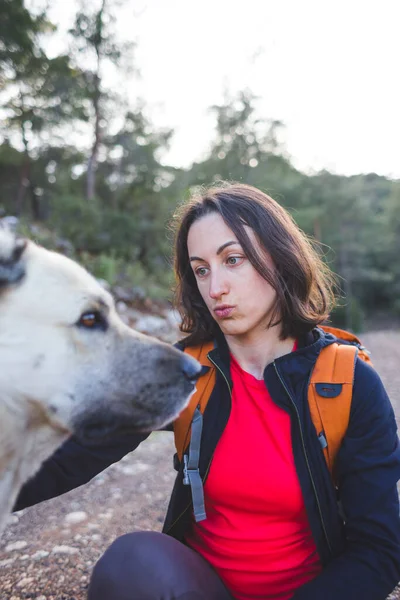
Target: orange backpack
{"points": [[329, 392]]}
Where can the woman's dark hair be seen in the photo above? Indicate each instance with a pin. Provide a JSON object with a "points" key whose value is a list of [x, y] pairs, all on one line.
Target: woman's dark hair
{"points": [[302, 281]]}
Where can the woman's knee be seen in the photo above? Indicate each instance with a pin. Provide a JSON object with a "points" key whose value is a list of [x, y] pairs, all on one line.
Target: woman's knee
{"points": [[125, 568], [147, 565]]}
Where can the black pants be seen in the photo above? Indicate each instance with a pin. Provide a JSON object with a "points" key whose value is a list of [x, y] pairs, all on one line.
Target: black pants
{"points": [[151, 566]]}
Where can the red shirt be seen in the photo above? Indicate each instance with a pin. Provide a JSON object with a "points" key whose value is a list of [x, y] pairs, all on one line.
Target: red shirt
{"points": [[256, 534]]}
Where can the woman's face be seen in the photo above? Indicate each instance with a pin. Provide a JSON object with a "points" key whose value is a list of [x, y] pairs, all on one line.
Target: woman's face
{"points": [[238, 298]]}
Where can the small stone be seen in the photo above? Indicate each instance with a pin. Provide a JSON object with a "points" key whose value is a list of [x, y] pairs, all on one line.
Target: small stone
{"points": [[73, 518], [150, 324], [16, 546], [106, 515], [6, 562], [24, 582], [138, 467], [40, 554], [64, 550]]}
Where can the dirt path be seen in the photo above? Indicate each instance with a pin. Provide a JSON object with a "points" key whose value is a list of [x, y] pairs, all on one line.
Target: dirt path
{"points": [[47, 551]]}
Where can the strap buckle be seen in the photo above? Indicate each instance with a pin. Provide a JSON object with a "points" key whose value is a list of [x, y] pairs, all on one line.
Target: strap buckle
{"points": [[188, 472]]}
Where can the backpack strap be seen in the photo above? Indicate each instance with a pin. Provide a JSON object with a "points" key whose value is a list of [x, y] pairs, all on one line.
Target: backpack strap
{"points": [[349, 338], [190, 424], [204, 386], [191, 473], [329, 396]]}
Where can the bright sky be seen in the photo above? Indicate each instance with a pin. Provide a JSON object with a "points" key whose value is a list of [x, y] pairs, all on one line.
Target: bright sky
{"points": [[329, 69]]}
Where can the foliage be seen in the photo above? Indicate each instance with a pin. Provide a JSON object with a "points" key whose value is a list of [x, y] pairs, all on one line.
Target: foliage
{"points": [[94, 43], [108, 202]]}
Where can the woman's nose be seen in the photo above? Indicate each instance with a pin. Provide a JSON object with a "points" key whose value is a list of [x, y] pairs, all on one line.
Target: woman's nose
{"points": [[218, 286]]}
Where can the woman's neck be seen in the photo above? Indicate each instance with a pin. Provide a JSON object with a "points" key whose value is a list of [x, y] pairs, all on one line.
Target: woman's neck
{"points": [[253, 355]]}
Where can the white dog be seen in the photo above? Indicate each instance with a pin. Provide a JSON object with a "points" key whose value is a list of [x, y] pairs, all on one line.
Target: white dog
{"points": [[70, 365]]}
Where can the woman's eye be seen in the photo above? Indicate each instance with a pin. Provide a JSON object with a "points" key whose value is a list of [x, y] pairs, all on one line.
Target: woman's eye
{"points": [[92, 320], [233, 260], [201, 272]]}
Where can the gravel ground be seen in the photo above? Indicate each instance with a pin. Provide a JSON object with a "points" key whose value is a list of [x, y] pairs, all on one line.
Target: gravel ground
{"points": [[47, 552]]}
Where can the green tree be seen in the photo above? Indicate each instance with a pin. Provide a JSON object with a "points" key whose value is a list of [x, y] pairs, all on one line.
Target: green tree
{"points": [[96, 44], [133, 176], [39, 94], [18, 36], [391, 255], [242, 141]]}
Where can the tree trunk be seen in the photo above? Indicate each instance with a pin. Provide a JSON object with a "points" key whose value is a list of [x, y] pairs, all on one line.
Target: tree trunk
{"points": [[346, 272], [92, 162], [317, 229], [35, 203], [24, 178], [23, 184], [90, 182]]}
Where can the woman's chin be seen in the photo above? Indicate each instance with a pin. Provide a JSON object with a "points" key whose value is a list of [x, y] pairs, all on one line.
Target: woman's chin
{"points": [[243, 330], [231, 327]]}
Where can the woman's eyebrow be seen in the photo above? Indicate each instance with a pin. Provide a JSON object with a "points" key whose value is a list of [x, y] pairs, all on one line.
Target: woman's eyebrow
{"points": [[220, 249]]}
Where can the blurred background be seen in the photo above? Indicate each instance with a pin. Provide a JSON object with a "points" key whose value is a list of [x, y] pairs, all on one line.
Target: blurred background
{"points": [[112, 110]]}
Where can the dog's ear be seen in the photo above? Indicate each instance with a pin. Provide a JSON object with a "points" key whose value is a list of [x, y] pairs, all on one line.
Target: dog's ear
{"points": [[12, 269]]}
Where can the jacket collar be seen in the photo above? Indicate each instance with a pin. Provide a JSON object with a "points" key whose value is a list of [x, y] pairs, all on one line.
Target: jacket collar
{"points": [[295, 364]]}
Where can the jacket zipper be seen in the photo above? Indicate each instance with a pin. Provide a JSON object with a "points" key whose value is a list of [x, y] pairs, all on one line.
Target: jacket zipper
{"points": [[209, 464], [230, 394], [222, 373], [306, 457]]}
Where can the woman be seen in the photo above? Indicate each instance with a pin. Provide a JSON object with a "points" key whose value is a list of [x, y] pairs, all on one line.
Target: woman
{"points": [[249, 280]]}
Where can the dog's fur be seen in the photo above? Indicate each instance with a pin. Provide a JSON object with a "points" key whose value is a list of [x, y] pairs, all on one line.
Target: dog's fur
{"points": [[62, 374]]}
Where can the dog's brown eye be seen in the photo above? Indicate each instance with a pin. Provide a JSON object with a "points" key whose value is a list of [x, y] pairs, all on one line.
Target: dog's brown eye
{"points": [[88, 320], [93, 320]]}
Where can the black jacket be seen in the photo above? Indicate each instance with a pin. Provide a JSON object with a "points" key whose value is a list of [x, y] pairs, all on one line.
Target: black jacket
{"points": [[356, 528]]}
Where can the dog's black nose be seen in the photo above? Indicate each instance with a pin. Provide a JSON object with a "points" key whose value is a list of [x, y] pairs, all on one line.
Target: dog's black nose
{"points": [[190, 367]]}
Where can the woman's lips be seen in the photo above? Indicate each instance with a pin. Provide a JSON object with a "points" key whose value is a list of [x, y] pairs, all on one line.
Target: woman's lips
{"points": [[224, 311]]}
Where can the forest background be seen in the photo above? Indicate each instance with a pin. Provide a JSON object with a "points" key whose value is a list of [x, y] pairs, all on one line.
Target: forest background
{"points": [[83, 170]]}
